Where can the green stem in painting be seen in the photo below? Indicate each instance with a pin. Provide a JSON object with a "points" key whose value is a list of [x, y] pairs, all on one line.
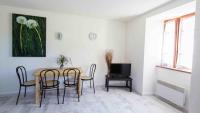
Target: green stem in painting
{"points": [[39, 39], [21, 46]]}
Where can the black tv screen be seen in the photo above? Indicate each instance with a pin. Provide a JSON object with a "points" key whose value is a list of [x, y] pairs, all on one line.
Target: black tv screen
{"points": [[120, 70]]}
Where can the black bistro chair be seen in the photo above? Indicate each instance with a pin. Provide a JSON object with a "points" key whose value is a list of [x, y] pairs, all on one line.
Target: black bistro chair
{"points": [[90, 77], [22, 76], [71, 79], [49, 79]]}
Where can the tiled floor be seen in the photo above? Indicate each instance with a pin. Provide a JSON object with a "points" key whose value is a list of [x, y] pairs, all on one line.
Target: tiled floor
{"points": [[114, 101]]}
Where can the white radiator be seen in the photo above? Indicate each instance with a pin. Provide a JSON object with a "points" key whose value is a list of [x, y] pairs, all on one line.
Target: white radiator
{"points": [[170, 92]]}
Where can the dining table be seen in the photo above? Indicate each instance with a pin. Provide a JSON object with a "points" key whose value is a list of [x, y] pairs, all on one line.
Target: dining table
{"points": [[36, 74]]}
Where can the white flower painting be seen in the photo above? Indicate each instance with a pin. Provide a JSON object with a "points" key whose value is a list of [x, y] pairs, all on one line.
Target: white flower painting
{"points": [[29, 36]]}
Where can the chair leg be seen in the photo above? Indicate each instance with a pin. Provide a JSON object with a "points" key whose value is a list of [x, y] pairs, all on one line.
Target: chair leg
{"points": [[58, 94], [127, 83], [18, 95], [130, 85], [78, 98], [41, 98], [93, 86], [82, 87], [78, 92], [64, 95], [105, 82], [44, 94], [90, 84], [25, 92], [107, 85]]}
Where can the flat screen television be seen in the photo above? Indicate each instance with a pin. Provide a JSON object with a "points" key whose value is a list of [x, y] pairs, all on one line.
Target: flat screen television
{"points": [[120, 70]]}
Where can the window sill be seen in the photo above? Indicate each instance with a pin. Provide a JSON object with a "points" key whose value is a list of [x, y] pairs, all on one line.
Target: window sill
{"points": [[176, 69]]}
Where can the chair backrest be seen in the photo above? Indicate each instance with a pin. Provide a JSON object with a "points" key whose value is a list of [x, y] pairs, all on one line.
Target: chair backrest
{"points": [[22, 74], [92, 70], [49, 74], [71, 75]]}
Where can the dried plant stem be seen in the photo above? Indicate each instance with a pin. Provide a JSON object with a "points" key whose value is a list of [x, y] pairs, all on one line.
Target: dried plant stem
{"points": [[109, 57]]}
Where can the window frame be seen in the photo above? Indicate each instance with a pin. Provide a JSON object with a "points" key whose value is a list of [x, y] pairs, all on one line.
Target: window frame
{"points": [[176, 44]]}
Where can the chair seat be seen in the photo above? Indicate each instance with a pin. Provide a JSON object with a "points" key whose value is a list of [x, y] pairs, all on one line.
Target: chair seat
{"points": [[70, 82], [50, 83], [86, 77], [29, 83]]}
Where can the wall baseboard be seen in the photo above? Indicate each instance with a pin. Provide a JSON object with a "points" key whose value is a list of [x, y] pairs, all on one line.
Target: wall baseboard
{"points": [[148, 94], [172, 104], [32, 90], [8, 93], [15, 92]]}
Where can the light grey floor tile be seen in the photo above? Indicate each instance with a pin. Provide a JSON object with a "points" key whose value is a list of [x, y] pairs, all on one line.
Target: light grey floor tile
{"points": [[115, 101]]}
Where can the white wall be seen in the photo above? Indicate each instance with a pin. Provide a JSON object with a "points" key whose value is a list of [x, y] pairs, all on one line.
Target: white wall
{"points": [[135, 52], [195, 80], [75, 44], [152, 53], [153, 42]]}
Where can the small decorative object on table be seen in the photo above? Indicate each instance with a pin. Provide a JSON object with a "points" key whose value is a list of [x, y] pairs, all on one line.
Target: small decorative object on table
{"points": [[62, 60]]}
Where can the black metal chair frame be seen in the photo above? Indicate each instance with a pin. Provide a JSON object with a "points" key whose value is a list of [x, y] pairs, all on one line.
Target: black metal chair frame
{"points": [[68, 83], [44, 83], [91, 74], [22, 79]]}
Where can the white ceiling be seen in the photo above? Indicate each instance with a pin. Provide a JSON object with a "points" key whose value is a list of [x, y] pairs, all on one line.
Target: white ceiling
{"points": [[109, 9]]}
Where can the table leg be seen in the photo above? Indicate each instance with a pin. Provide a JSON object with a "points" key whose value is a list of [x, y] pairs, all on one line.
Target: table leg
{"points": [[37, 90]]}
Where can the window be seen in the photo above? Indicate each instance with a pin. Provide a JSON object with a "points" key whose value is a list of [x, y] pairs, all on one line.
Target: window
{"points": [[178, 37]]}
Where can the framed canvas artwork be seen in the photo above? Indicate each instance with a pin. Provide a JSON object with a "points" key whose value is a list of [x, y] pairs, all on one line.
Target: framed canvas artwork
{"points": [[28, 36]]}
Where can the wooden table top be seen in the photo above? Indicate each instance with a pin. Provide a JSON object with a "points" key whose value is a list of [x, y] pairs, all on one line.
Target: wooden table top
{"points": [[37, 71]]}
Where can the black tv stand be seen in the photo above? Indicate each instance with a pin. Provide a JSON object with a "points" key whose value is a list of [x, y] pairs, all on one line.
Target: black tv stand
{"points": [[128, 81]]}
